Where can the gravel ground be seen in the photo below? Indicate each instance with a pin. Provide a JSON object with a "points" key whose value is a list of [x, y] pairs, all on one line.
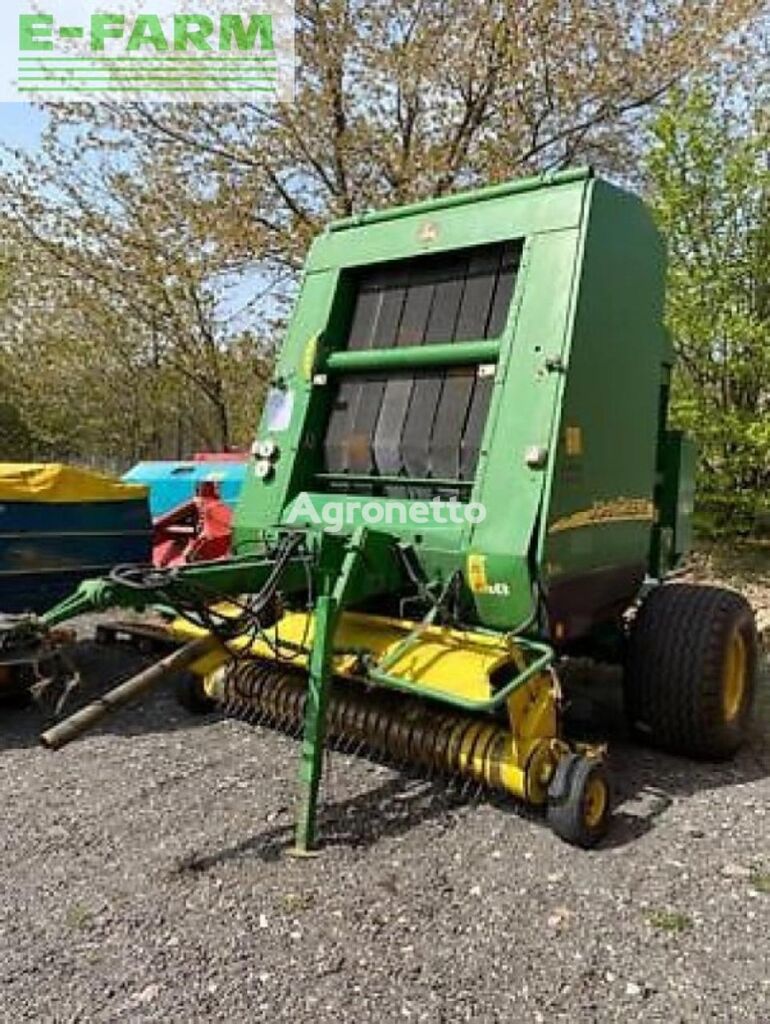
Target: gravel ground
{"points": [[145, 878]]}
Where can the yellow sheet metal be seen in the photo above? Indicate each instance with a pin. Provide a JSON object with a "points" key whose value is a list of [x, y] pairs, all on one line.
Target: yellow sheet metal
{"points": [[443, 659], [55, 482]]}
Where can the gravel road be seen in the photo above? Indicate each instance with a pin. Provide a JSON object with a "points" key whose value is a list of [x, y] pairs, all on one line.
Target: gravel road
{"points": [[144, 878]]}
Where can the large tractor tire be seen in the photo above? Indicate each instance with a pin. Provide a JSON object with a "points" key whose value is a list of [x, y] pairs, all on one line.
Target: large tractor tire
{"points": [[691, 670]]}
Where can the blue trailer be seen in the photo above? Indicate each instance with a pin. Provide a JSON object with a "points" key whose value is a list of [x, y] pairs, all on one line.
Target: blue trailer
{"points": [[60, 525], [173, 483]]}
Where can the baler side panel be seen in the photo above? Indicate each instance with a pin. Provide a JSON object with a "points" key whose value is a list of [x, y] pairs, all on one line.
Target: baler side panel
{"points": [[601, 507], [520, 423]]}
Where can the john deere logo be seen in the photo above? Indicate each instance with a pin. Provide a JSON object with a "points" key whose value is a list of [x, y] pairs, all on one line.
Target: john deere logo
{"points": [[427, 232], [160, 50]]}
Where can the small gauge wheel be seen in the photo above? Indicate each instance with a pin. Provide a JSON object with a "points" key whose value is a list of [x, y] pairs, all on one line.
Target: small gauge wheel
{"points": [[579, 800]]}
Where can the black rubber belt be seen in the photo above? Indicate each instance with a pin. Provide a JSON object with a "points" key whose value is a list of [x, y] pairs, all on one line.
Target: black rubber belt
{"points": [[456, 395], [478, 409], [426, 393], [372, 389], [348, 397], [398, 391], [429, 423]]}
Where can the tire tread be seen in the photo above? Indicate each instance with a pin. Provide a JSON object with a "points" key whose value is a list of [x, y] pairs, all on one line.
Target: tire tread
{"points": [[674, 668]]}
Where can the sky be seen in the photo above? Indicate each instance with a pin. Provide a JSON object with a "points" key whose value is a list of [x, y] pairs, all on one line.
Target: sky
{"points": [[20, 125]]}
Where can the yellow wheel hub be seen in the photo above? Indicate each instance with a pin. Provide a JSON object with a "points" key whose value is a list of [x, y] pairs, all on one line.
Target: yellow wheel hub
{"points": [[595, 802], [734, 677]]}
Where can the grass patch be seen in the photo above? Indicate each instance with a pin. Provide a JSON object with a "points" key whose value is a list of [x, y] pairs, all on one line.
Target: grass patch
{"points": [[78, 916], [294, 902], [760, 881], [670, 921]]}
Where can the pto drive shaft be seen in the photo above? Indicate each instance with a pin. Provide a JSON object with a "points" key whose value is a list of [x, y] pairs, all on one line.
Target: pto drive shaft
{"points": [[63, 733]]}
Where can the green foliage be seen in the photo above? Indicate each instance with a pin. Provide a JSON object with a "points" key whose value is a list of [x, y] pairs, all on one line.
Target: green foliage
{"points": [[115, 337], [760, 882], [14, 437], [670, 920], [709, 169]]}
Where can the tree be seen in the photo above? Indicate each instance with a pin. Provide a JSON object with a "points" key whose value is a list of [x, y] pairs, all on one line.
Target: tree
{"points": [[158, 223], [709, 172], [401, 102], [14, 438], [113, 317]]}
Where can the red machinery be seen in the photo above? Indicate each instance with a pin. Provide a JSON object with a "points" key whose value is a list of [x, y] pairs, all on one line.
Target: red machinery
{"points": [[232, 456], [198, 530]]}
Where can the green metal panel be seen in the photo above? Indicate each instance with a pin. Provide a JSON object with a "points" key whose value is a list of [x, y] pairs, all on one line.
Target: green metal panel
{"points": [[506, 189], [601, 502], [527, 392], [677, 497], [452, 226], [262, 501]]}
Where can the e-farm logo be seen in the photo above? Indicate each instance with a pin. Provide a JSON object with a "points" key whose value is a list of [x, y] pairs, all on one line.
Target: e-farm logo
{"points": [[159, 50]]}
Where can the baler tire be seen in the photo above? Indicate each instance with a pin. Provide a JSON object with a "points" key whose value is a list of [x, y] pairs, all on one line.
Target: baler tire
{"points": [[580, 801], [191, 695], [691, 669]]}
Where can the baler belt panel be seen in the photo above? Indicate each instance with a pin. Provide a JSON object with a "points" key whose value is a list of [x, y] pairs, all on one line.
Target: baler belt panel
{"points": [[472, 323], [382, 331], [482, 387], [349, 394], [375, 319], [418, 428], [420, 425], [398, 390]]}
